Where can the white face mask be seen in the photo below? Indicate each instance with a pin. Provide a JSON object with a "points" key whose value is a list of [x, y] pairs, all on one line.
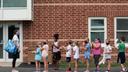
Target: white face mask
{"points": [[18, 33]]}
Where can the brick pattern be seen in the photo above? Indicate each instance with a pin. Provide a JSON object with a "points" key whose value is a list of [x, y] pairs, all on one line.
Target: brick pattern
{"points": [[80, 1], [71, 22]]}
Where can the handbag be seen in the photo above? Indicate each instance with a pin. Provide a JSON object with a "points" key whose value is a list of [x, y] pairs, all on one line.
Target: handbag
{"points": [[10, 47]]}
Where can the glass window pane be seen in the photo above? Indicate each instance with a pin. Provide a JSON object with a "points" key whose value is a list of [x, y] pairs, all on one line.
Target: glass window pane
{"points": [[1, 42], [15, 3], [123, 34], [97, 29], [97, 22], [0, 3], [99, 35], [122, 24]]}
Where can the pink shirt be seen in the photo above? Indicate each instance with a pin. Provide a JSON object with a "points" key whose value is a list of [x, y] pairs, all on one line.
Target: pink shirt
{"points": [[97, 49]]}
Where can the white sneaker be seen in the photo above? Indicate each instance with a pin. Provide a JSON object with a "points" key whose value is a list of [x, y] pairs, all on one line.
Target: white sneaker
{"points": [[86, 71], [44, 71], [15, 70], [75, 71]]}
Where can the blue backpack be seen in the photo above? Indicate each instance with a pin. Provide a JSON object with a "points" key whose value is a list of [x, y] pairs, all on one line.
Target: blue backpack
{"points": [[10, 47]]}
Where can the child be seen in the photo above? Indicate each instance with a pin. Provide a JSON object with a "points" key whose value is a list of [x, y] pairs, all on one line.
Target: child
{"points": [[121, 54], [87, 48], [96, 53], [76, 55], [38, 56], [107, 55], [45, 49], [69, 55]]}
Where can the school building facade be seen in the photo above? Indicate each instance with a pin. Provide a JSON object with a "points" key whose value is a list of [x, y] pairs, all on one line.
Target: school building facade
{"points": [[38, 20]]}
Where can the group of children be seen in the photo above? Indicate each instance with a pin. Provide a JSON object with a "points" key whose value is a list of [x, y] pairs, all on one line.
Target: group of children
{"points": [[41, 53], [73, 52]]}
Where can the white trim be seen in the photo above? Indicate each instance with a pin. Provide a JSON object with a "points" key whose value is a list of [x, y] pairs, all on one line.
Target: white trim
{"points": [[122, 30], [97, 31], [21, 41], [115, 28], [16, 13], [97, 27], [105, 27]]}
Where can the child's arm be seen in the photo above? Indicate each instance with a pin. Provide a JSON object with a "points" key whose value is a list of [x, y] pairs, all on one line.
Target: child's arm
{"points": [[42, 49], [63, 47]]}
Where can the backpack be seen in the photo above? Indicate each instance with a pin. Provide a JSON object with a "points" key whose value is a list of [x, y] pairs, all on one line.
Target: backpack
{"points": [[10, 47]]}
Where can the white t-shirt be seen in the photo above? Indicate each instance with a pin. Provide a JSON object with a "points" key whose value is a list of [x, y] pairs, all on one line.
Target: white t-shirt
{"points": [[16, 40], [45, 51], [76, 52], [107, 48], [54, 48], [68, 51]]}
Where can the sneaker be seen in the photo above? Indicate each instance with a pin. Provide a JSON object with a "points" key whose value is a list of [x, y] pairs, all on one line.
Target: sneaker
{"points": [[15, 70], [107, 71], [86, 71], [45, 71], [124, 70], [75, 71]]}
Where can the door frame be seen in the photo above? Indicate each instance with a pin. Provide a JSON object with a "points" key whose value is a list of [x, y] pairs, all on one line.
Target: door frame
{"points": [[5, 38]]}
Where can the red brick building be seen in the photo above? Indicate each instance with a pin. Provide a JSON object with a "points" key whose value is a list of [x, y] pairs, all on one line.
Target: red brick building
{"points": [[72, 19]]}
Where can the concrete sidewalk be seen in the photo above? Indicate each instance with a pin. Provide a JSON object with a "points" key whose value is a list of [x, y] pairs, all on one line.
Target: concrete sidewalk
{"points": [[32, 69]]}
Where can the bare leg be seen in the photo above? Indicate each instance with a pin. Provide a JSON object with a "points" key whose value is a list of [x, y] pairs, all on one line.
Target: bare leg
{"points": [[36, 65], [76, 65], [109, 64]]}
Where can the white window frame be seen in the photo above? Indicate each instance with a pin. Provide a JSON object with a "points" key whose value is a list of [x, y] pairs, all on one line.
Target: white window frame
{"points": [[115, 29], [105, 27]]}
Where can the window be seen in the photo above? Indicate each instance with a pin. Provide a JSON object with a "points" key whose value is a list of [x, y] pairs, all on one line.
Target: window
{"points": [[0, 3], [122, 28], [97, 28], [14, 3]]}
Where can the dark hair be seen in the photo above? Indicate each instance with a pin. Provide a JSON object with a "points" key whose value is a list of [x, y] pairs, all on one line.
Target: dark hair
{"points": [[98, 39], [44, 42], [70, 42], [123, 38], [56, 36]]}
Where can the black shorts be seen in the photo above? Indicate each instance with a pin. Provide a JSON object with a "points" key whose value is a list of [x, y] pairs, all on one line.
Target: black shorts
{"points": [[121, 57], [56, 56], [68, 59], [96, 59]]}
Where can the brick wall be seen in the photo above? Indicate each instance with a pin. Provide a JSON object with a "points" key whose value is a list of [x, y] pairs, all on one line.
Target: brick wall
{"points": [[80, 1], [70, 21]]}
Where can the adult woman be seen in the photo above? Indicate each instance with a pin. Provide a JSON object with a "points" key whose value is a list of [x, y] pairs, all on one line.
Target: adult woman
{"points": [[15, 39]]}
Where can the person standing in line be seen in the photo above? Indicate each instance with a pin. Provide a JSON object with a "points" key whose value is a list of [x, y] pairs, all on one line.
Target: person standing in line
{"points": [[45, 50], [38, 57], [107, 55], [16, 41], [121, 54], [68, 49], [76, 51], [87, 51], [56, 52], [96, 50]]}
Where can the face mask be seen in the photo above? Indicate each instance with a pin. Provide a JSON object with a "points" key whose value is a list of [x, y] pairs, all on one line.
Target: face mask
{"points": [[17, 33], [96, 41]]}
